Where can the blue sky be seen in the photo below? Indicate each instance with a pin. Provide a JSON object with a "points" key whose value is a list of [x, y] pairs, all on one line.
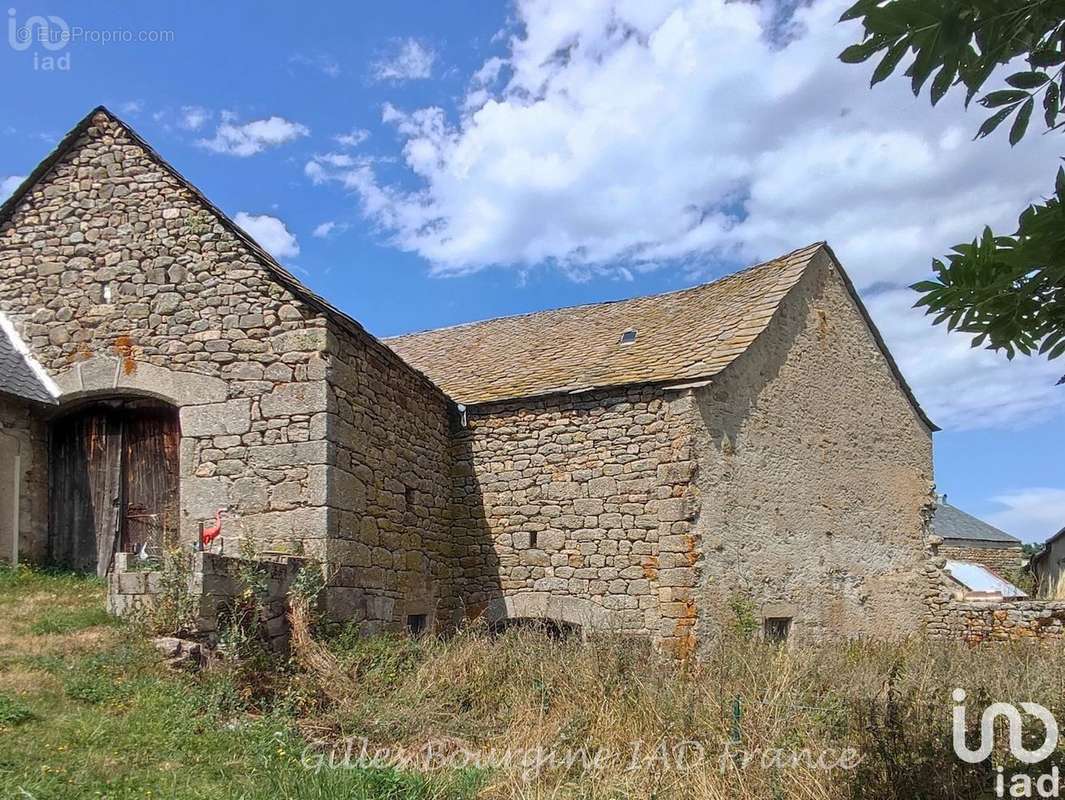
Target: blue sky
{"points": [[423, 164]]}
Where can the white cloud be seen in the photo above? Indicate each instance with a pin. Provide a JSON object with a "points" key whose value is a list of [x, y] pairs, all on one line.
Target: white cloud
{"points": [[9, 184], [329, 228], [961, 387], [132, 107], [270, 232], [324, 63], [410, 61], [352, 138], [192, 118], [694, 130], [252, 137], [1031, 514]]}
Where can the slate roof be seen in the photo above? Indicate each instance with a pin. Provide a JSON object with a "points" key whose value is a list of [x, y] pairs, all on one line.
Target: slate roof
{"points": [[17, 376], [684, 336], [953, 523], [688, 335]]}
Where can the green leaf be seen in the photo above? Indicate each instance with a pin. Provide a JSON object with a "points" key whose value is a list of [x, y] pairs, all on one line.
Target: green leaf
{"points": [[926, 286], [1027, 80], [1046, 58], [857, 53], [942, 82], [859, 9], [1002, 97], [1051, 107], [993, 122], [890, 60], [1020, 125]]}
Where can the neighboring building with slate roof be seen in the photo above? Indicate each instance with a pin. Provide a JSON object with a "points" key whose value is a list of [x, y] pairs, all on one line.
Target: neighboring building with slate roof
{"points": [[25, 390], [967, 538], [1048, 567], [633, 466], [20, 375]]}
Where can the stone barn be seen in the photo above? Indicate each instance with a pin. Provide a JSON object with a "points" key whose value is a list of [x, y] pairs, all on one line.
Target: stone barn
{"points": [[968, 538], [639, 466]]}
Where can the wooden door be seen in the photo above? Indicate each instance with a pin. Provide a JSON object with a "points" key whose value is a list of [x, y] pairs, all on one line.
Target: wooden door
{"points": [[114, 483], [151, 480], [86, 491]]}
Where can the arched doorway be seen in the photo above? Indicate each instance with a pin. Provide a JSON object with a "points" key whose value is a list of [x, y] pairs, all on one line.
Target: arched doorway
{"points": [[114, 482]]}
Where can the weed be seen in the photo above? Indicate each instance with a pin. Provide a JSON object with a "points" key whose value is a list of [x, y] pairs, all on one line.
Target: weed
{"points": [[13, 712]]}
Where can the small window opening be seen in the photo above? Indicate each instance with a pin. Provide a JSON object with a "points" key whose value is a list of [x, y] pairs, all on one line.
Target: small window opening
{"points": [[776, 629], [107, 293], [408, 497], [629, 336], [532, 540], [416, 624]]}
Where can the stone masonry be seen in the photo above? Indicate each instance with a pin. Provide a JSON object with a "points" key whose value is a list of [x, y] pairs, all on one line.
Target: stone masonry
{"points": [[573, 504], [822, 521], [121, 282], [125, 282], [1004, 560], [785, 463]]}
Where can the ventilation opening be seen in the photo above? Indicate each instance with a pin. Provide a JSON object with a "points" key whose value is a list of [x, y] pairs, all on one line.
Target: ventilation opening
{"points": [[776, 629], [556, 630], [416, 624], [532, 540], [409, 498], [629, 336]]}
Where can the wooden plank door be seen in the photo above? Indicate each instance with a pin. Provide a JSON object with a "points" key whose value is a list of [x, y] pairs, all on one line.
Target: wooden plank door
{"points": [[86, 490], [151, 479]]}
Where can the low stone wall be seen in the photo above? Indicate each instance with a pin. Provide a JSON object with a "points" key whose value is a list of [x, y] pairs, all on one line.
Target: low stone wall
{"points": [[984, 621], [131, 588], [216, 581]]}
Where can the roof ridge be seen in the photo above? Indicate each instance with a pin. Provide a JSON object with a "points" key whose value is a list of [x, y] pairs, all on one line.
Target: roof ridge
{"points": [[812, 247]]}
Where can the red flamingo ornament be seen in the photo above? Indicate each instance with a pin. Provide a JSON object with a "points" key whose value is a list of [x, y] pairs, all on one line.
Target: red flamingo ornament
{"points": [[212, 533]]}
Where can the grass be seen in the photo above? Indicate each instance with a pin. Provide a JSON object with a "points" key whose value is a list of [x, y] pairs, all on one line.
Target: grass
{"points": [[68, 620], [88, 711], [748, 721]]}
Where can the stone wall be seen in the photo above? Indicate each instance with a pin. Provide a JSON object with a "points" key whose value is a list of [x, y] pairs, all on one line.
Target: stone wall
{"points": [[216, 583], [122, 281], [577, 507], [391, 551], [23, 441], [1003, 560], [132, 589], [983, 621], [815, 477]]}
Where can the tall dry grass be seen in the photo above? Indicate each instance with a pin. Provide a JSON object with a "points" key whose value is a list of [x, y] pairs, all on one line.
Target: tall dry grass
{"points": [[748, 720]]}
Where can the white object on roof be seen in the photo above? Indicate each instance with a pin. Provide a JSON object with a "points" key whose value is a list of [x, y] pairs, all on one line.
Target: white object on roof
{"points": [[980, 580]]}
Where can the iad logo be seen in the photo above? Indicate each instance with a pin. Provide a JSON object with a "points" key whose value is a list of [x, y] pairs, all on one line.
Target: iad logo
{"points": [[51, 33], [1016, 728]]}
